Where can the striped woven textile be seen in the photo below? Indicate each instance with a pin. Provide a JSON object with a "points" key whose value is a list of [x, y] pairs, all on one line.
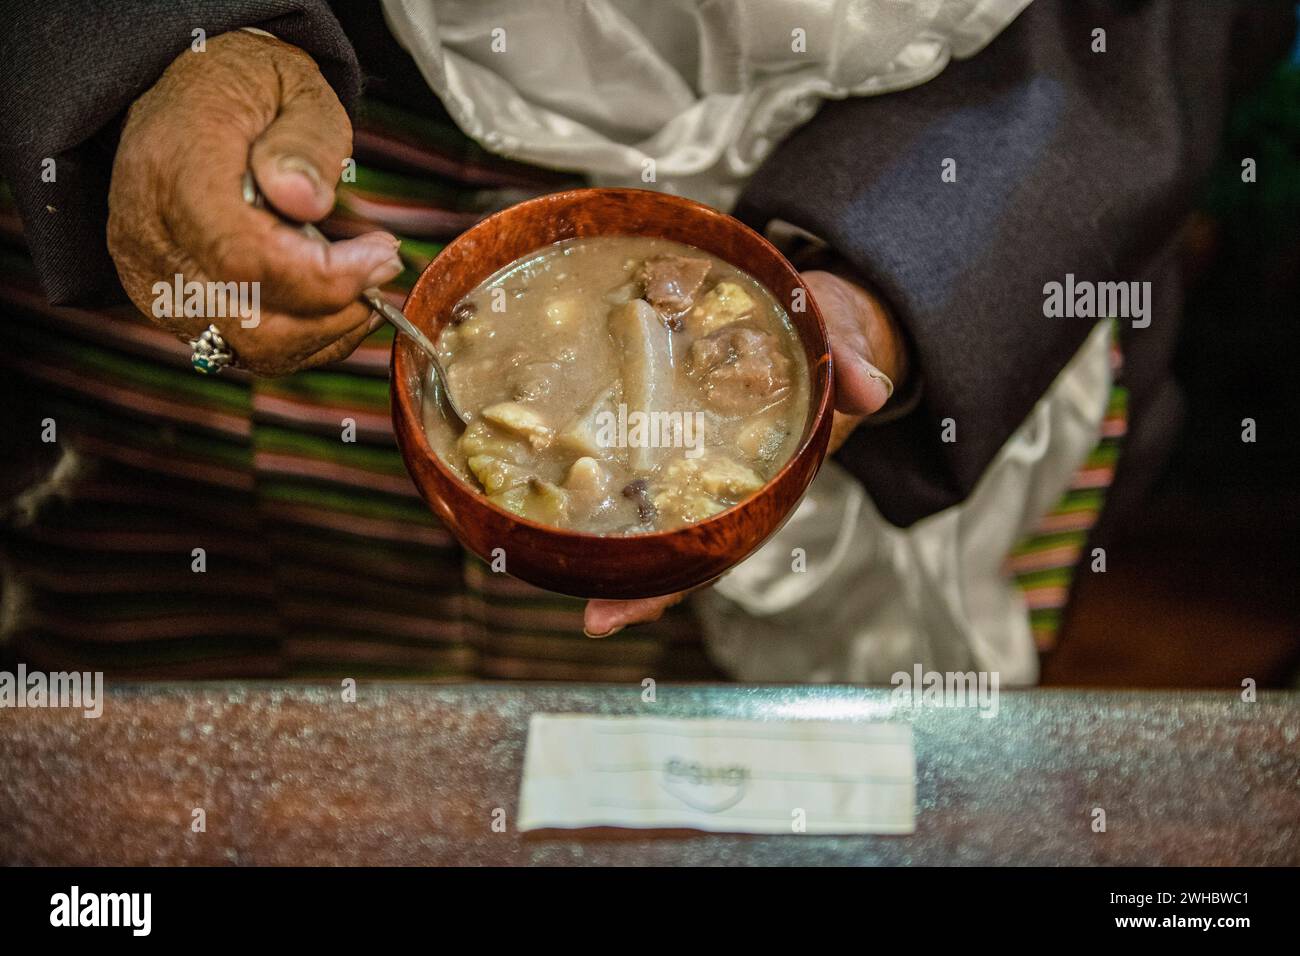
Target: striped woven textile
{"points": [[319, 557], [1045, 562]]}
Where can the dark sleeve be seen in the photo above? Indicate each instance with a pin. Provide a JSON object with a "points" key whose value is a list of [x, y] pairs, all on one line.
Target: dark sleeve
{"points": [[71, 69], [1067, 161]]}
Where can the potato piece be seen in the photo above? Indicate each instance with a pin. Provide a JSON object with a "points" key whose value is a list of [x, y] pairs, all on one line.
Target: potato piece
{"points": [[522, 421], [724, 476], [512, 499], [481, 438], [563, 312], [588, 478], [647, 369], [496, 475], [725, 303], [589, 486], [580, 434], [535, 500], [545, 502]]}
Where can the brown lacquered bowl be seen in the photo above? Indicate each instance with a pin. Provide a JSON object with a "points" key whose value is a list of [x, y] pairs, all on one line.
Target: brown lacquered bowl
{"points": [[573, 562]]}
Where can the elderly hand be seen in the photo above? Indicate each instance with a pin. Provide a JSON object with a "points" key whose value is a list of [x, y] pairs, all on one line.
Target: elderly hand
{"points": [[870, 360], [176, 205]]}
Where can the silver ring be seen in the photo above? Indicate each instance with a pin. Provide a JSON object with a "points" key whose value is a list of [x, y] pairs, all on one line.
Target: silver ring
{"points": [[211, 353]]}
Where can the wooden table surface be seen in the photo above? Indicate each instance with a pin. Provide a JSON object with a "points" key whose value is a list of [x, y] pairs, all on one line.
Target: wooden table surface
{"points": [[411, 774]]}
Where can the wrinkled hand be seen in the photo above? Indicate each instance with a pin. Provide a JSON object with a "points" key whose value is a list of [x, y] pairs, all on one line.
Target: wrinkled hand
{"points": [[176, 204], [870, 360]]}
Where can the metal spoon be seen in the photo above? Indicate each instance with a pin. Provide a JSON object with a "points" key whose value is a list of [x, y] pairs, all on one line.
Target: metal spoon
{"points": [[375, 299]]}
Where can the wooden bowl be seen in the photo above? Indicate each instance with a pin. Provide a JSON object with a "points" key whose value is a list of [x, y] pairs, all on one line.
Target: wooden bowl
{"points": [[573, 562]]}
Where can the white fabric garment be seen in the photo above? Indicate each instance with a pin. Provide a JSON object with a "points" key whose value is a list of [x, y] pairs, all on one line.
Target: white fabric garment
{"points": [[703, 88]]}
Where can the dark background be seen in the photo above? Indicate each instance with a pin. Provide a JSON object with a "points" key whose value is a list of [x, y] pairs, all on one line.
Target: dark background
{"points": [[1201, 588]]}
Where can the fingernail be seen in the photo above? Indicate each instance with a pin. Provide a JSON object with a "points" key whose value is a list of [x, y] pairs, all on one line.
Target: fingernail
{"points": [[376, 320], [611, 631], [389, 269], [880, 377], [296, 164]]}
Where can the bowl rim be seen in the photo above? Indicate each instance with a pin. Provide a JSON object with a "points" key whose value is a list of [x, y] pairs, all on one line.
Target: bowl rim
{"points": [[818, 409]]}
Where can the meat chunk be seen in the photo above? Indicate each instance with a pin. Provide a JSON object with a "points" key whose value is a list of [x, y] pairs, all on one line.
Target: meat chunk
{"points": [[742, 369], [671, 282]]}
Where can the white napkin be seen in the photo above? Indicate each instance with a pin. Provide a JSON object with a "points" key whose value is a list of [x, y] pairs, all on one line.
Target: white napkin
{"points": [[735, 776]]}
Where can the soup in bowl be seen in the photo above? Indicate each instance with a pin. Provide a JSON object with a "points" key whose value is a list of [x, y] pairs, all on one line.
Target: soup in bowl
{"points": [[648, 388]]}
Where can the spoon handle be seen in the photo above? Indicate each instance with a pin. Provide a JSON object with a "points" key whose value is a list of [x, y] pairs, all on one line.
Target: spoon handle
{"points": [[395, 316]]}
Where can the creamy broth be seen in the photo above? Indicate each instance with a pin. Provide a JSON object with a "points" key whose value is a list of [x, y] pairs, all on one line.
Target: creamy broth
{"points": [[620, 385]]}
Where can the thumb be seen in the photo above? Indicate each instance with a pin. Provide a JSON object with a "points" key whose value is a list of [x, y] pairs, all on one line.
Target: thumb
{"points": [[861, 389], [298, 159], [602, 618], [861, 339]]}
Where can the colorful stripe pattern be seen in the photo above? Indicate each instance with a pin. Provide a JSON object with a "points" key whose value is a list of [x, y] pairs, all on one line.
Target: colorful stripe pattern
{"points": [[1044, 563], [320, 558]]}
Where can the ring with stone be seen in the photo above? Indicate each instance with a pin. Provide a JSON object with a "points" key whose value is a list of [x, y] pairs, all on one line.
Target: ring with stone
{"points": [[211, 353]]}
